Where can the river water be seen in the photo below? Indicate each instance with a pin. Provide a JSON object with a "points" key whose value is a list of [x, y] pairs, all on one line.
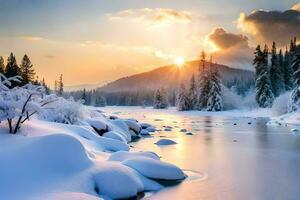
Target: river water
{"points": [[227, 157]]}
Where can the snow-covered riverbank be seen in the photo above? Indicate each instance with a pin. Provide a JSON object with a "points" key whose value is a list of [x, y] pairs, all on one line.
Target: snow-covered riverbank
{"points": [[48, 160]]}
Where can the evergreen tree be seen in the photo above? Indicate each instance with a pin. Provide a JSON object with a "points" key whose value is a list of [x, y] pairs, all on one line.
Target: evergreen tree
{"points": [[84, 96], [55, 86], [2, 66], [296, 77], [215, 101], [60, 86], [27, 71], [100, 101], [276, 76], [182, 99], [192, 94], [264, 95], [204, 84], [12, 69], [160, 99], [287, 69]]}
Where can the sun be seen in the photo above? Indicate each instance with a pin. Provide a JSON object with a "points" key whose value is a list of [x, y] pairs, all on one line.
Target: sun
{"points": [[179, 61]]}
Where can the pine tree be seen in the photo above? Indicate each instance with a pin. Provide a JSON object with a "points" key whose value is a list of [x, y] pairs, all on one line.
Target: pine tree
{"points": [[276, 75], [101, 101], [27, 71], [2, 66], [215, 100], [12, 69], [192, 94], [60, 86], [295, 105], [264, 95], [160, 99], [287, 69], [84, 96], [55, 86], [204, 84], [182, 99]]}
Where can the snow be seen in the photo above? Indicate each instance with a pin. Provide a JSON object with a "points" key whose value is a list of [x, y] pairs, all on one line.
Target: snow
{"points": [[155, 169], [117, 181], [123, 155], [97, 123], [114, 135], [165, 142]]}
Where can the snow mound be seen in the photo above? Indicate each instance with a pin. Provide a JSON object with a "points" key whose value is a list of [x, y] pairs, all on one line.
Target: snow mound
{"points": [[155, 169], [133, 125], [294, 130], [98, 124], [115, 135], [117, 181], [38, 162], [165, 142], [123, 155], [144, 132]]}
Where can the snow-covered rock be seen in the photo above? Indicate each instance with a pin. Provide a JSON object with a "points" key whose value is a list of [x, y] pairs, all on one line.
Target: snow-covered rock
{"points": [[115, 135], [295, 130], [123, 155], [117, 181], [150, 129], [145, 125], [144, 132], [133, 125], [155, 169], [165, 142], [98, 124]]}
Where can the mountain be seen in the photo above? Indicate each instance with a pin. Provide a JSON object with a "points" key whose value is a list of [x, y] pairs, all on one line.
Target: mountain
{"points": [[170, 76]]}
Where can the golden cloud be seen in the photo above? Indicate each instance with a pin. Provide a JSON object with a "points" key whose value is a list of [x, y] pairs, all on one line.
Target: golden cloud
{"points": [[157, 16]]}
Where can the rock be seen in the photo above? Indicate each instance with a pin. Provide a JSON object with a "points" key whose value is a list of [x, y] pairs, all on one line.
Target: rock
{"points": [[165, 142], [249, 123], [145, 125], [235, 124], [294, 130], [151, 129], [183, 130], [189, 133], [144, 132], [168, 129]]}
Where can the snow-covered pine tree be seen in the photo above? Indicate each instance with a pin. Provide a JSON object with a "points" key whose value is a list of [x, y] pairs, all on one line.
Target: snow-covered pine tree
{"points": [[55, 86], [192, 94], [288, 72], [295, 104], [60, 86], [12, 69], [264, 95], [161, 99], [182, 99], [27, 71], [2, 67], [215, 101], [204, 84], [276, 75]]}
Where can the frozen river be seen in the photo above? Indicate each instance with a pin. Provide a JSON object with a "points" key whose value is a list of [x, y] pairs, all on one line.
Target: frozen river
{"points": [[249, 160]]}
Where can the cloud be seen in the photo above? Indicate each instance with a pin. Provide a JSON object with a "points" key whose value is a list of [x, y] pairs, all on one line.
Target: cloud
{"points": [[31, 38], [230, 49], [224, 40], [296, 7], [268, 26], [156, 16]]}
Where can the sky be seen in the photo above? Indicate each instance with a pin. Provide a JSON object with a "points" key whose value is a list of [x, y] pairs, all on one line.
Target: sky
{"points": [[96, 41]]}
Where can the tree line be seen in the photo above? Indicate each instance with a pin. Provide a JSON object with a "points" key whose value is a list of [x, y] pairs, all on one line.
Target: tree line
{"points": [[204, 93], [27, 74], [277, 73]]}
